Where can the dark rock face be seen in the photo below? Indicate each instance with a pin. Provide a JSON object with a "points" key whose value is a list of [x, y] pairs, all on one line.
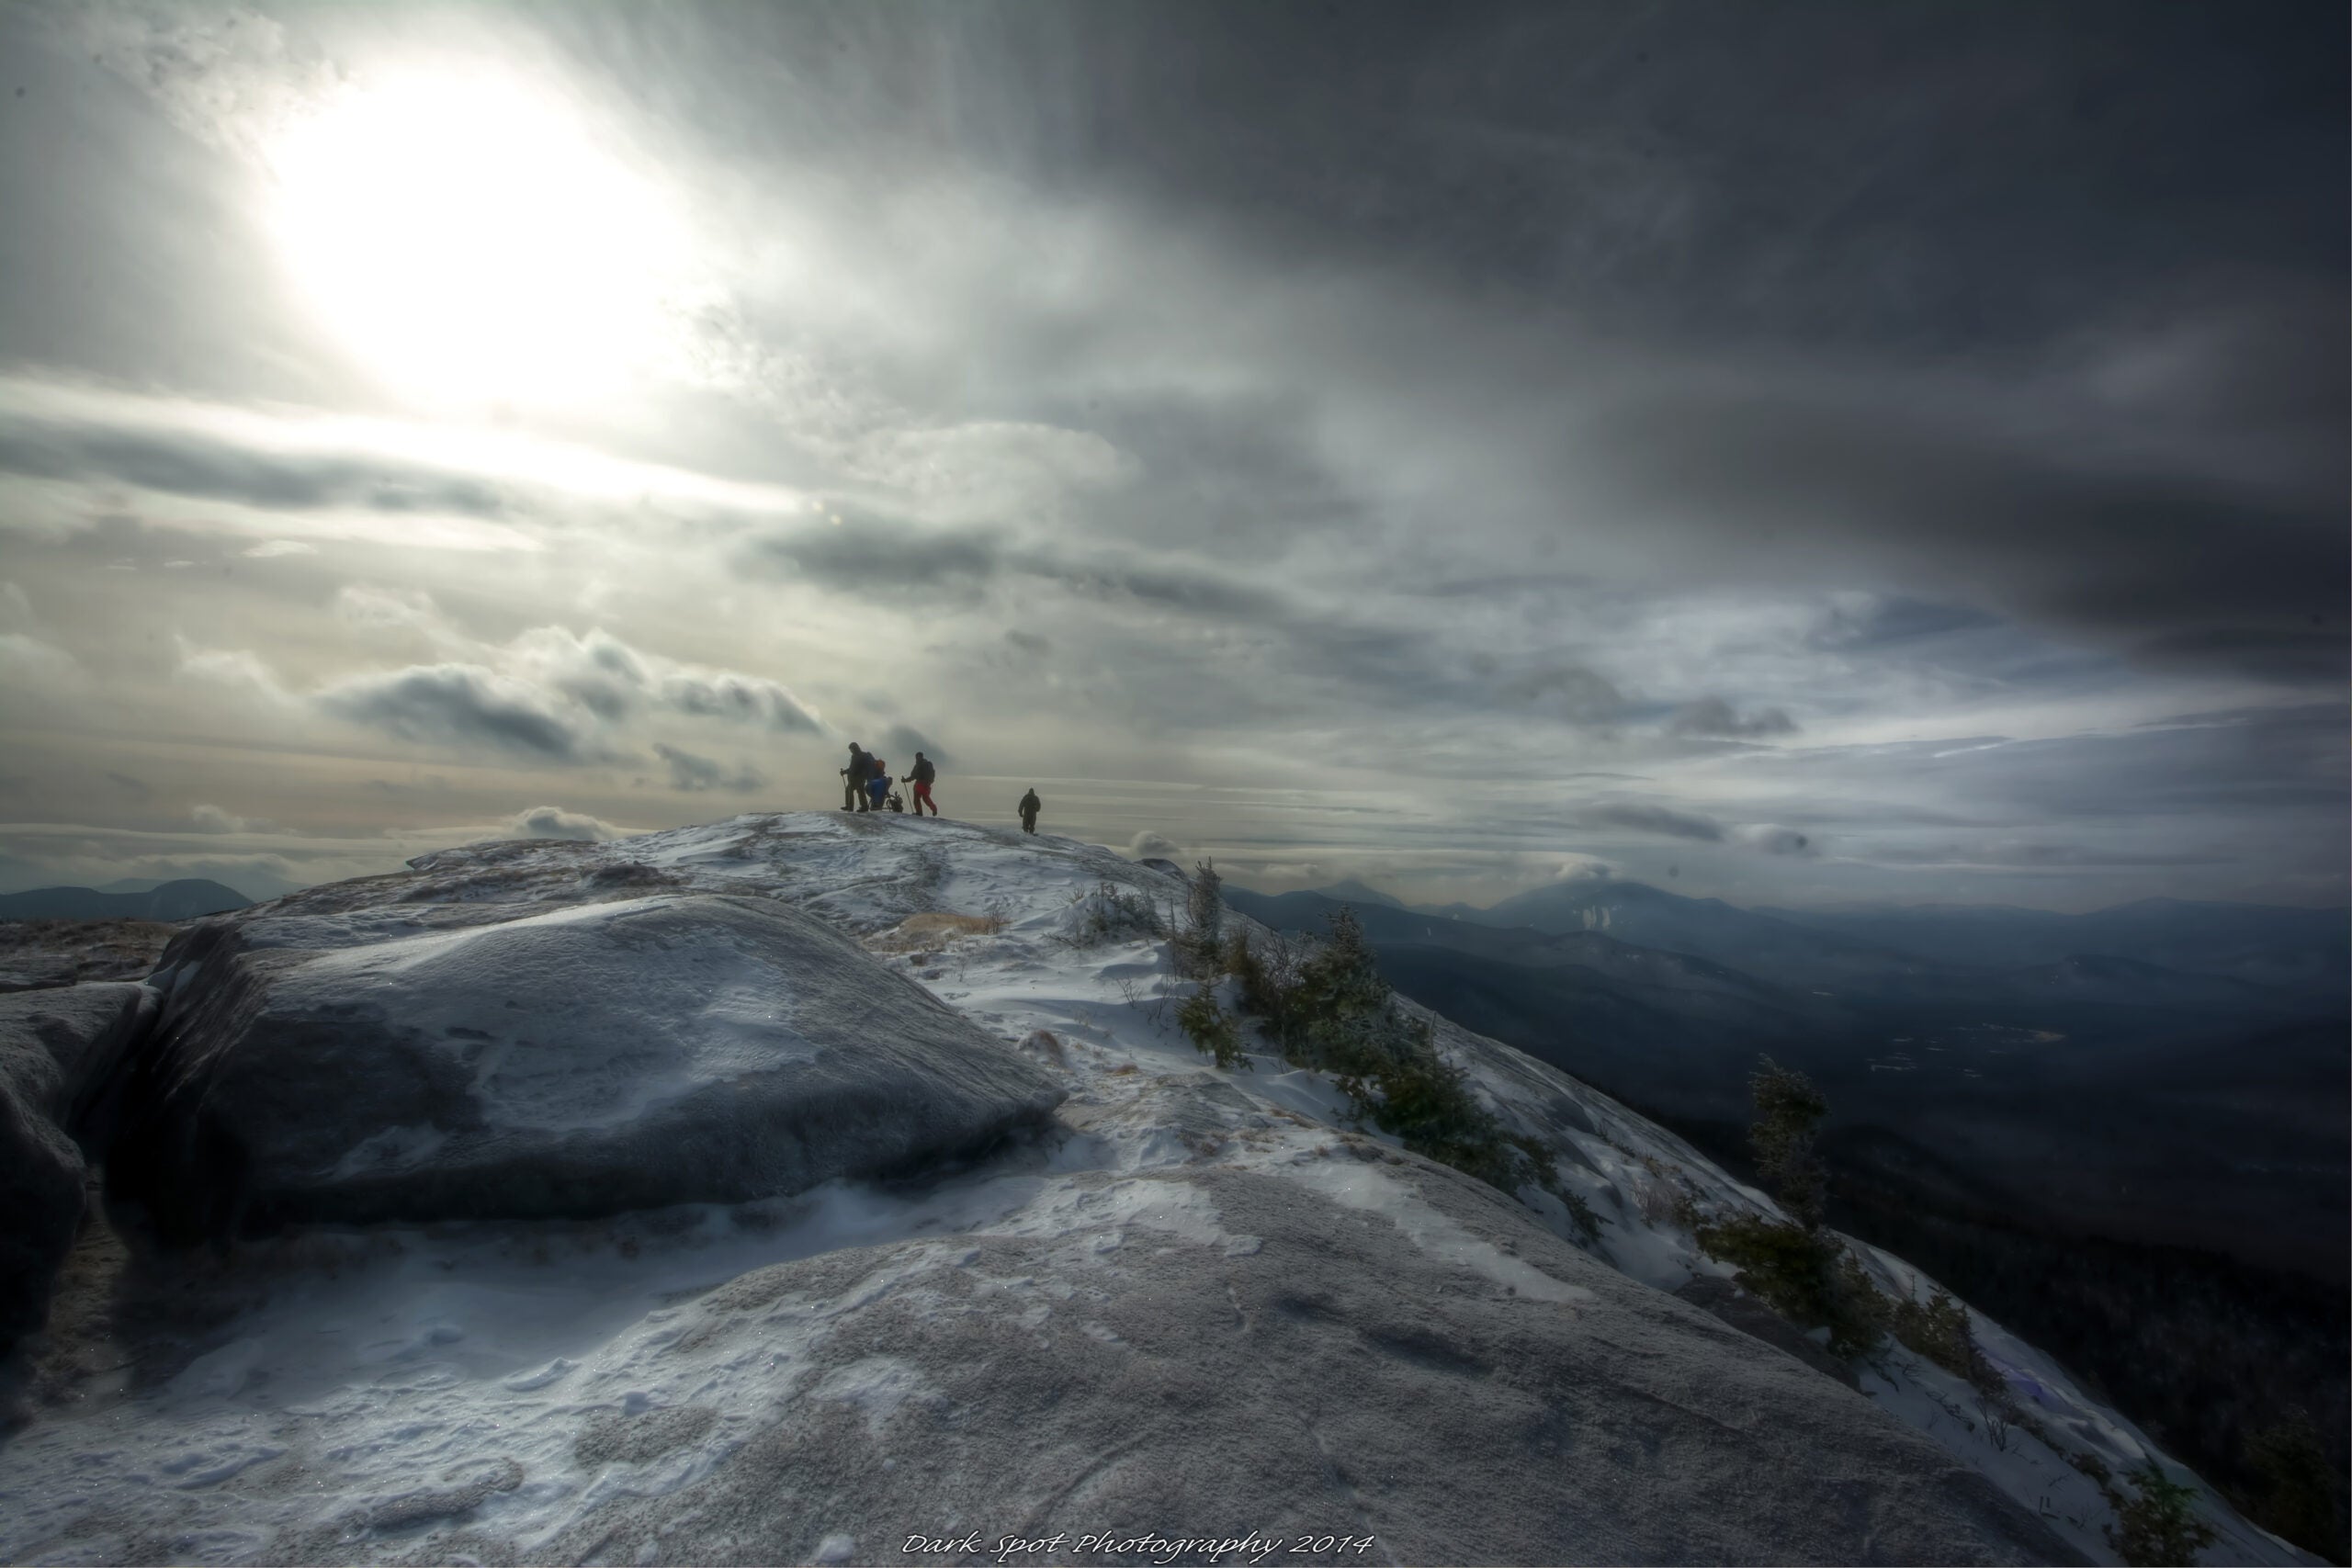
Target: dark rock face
{"points": [[49, 954], [570, 1061], [58, 1049]]}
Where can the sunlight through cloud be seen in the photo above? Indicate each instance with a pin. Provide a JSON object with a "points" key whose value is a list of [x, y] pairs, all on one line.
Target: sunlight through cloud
{"points": [[469, 239]]}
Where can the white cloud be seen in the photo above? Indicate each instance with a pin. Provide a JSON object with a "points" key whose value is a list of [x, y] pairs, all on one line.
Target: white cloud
{"points": [[369, 608], [29, 657], [1148, 845], [692, 774], [554, 822], [237, 669], [548, 694]]}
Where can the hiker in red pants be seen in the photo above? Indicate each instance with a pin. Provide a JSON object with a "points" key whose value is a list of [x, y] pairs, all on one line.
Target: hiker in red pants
{"points": [[922, 774]]}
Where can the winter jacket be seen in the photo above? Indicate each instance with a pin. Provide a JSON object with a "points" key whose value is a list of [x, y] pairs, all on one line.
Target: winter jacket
{"points": [[1031, 805], [923, 772]]}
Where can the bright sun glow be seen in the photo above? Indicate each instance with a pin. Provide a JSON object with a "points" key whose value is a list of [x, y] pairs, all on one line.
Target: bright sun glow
{"points": [[473, 243]]}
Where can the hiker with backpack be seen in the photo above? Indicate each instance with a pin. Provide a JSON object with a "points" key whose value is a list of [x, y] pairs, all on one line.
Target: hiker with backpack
{"points": [[1030, 807], [859, 769], [921, 775], [877, 781]]}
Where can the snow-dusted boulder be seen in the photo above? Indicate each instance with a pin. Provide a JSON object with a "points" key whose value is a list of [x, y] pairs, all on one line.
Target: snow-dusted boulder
{"points": [[575, 1060], [57, 1048]]}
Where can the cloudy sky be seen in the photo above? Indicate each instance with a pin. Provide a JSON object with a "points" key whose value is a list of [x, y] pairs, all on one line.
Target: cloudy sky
{"points": [[1802, 452]]}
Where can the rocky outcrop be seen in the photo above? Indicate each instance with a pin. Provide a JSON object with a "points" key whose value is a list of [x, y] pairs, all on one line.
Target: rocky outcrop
{"points": [[1198, 1303], [568, 1061], [1383, 1349], [57, 1050]]}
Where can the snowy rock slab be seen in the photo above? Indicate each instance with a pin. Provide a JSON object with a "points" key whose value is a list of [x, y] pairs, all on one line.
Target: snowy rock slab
{"points": [[1333, 1350], [575, 1060], [57, 1048]]}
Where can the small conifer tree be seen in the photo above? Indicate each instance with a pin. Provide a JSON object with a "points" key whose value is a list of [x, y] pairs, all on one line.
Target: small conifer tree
{"points": [[1201, 946], [1345, 1001], [1803, 1271], [2300, 1493], [2158, 1531], [1788, 1109]]}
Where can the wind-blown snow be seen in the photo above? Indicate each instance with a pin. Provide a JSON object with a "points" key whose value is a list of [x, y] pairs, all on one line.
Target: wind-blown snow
{"points": [[611, 1390]]}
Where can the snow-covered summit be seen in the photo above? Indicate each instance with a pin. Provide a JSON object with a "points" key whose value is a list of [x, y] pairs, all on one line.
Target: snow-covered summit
{"points": [[1098, 1297]]}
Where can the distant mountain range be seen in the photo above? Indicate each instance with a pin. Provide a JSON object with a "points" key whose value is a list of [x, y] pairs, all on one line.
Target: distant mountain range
{"points": [[181, 901], [2305, 949], [2177, 1072], [1893, 951]]}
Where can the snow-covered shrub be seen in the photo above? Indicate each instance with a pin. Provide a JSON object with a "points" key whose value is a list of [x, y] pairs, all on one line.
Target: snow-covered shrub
{"points": [[1939, 1331], [1268, 974], [1111, 913], [1329, 1009], [1587, 1219], [1667, 1197], [1806, 1276], [1213, 1031]]}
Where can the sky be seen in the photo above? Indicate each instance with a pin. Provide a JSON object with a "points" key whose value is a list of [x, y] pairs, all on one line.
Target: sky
{"points": [[1805, 454]]}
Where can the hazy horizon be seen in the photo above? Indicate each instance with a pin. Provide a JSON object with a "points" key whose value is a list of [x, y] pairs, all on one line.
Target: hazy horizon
{"points": [[1804, 454]]}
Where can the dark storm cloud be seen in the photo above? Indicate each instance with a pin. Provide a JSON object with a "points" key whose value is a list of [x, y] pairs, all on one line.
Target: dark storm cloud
{"points": [[893, 561], [1394, 665], [1714, 716], [903, 741], [456, 702], [2287, 761], [185, 463], [2289, 655], [1895, 620], [1936, 176], [693, 773], [1569, 691], [1815, 810], [2173, 563], [740, 697], [1776, 840], [883, 560], [2281, 770], [2134, 216], [2033, 856], [1657, 819]]}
